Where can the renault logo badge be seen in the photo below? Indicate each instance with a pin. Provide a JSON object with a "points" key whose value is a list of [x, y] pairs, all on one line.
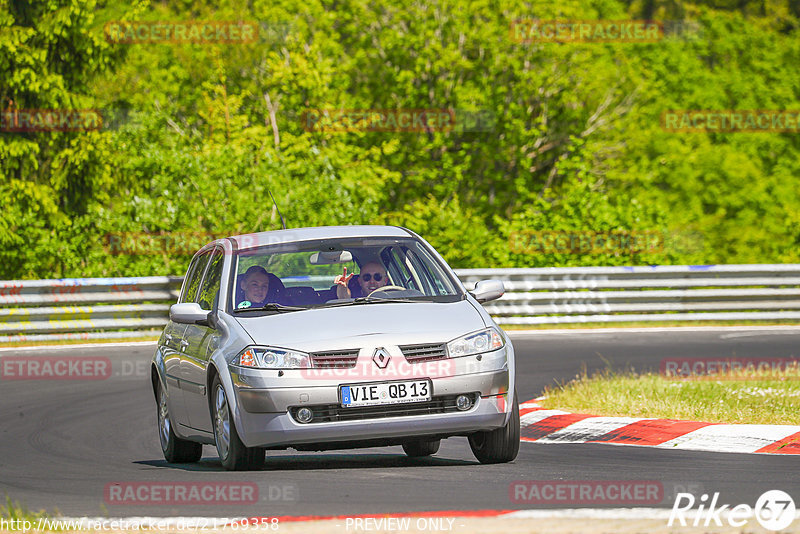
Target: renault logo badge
{"points": [[381, 358]]}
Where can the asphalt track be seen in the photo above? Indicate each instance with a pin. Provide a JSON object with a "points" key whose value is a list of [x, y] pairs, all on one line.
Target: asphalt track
{"points": [[64, 441]]}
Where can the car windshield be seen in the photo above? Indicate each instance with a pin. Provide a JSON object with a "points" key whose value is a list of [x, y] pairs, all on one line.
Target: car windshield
{"points": [[293, 276]]}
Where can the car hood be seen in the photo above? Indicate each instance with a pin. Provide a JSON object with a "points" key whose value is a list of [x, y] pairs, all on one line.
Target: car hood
{"points": [[360, 325]]}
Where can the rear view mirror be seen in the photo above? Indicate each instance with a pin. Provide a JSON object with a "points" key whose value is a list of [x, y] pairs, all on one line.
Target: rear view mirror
{"points": [[329, 257], [487, 290]]}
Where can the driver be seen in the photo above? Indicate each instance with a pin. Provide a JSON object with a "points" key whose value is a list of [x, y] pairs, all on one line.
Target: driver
{"points": [[372, 277]]}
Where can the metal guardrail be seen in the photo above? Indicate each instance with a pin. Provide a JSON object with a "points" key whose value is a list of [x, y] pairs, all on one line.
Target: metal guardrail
{"points": [[92, 308], [661, 293], [85, 308]]}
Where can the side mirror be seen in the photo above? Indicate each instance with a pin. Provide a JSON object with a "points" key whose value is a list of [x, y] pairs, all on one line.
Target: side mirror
{"points": [[189, 313], [487, 290]]}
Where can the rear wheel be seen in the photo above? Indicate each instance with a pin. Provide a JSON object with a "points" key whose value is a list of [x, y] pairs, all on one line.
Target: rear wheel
{"points": [[175, 449], [416, 449], [233, 454], [500, 445]]}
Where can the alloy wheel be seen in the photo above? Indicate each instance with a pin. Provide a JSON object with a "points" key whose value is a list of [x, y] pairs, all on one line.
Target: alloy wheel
{"points": [[222, 426]]}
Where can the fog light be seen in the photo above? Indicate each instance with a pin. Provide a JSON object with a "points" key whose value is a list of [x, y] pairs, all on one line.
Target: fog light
{"points": [[463, 402], [304, 415]]}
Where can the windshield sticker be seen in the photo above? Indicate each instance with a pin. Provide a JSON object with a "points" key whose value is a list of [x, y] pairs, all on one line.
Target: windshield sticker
{"points": [[244, 304]]}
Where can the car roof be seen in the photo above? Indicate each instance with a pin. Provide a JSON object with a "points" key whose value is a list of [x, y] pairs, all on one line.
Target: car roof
{"points": [[248, 241]]}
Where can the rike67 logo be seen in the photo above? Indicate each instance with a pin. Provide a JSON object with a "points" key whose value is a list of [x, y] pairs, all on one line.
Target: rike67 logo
{"points": [[774, 510]]}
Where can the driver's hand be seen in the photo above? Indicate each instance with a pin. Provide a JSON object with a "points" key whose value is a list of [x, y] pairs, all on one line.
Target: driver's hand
{"points": [[342, 291]]}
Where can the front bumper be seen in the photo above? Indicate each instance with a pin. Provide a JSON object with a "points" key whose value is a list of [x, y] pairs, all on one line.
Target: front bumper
{"points": [[265, 399], [277, 429]]}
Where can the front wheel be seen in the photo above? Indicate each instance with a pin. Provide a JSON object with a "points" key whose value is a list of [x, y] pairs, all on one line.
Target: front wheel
{"points": [[418, 449], [233, 454], [175, 449], [500, 445]]}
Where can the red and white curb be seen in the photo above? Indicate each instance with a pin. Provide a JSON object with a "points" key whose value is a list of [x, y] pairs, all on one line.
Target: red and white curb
{"points": [[540, 425]]}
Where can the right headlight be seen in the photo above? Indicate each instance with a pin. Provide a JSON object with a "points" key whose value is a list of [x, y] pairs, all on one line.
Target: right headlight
{"points": [[475, 343], [272, 358]]}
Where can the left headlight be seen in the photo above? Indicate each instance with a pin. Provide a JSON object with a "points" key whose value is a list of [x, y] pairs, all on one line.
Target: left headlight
{"points": [[272, 358], [476, 343]]}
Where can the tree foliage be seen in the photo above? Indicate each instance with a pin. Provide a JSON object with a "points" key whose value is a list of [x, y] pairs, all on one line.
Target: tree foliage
{"points": [[198, 135]]}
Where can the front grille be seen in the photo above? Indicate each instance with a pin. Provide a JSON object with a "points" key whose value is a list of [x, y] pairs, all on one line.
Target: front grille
{"points": [[335, 359], [328, 413], [424, 353]]}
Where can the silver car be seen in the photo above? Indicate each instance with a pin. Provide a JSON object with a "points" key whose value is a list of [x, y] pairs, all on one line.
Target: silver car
{"points": [[331, 338]]}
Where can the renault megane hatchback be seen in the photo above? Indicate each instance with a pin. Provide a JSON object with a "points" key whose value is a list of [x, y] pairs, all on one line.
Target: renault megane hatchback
{"points": [[331, 338]]}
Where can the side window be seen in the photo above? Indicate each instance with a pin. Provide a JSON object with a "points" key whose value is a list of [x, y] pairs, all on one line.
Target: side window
{"points": [[193, 278], [209, 291], [188, 278], [441, 279], [420, 273], [398, 268]]}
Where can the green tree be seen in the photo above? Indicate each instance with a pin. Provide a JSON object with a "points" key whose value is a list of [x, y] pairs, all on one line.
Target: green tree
{"points": [[49, 180]]}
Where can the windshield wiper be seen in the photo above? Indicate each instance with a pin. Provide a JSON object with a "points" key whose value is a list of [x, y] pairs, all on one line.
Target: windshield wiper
{"points": [[272, 306], [366, 300]]}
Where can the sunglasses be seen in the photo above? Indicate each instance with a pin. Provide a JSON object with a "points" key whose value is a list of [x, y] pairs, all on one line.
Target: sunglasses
{"points": [[367, 277]]}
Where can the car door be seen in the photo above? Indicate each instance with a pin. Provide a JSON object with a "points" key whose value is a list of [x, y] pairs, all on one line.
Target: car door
{"points": [[170, 352], [174, 369], [200, 343]]}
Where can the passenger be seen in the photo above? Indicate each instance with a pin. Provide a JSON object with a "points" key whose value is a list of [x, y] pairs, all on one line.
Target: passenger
{"points": [[258, 287], [372, 277]]}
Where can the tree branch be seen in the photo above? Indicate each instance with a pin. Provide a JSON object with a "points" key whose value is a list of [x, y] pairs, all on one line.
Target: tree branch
{"points": [[271, 109]]}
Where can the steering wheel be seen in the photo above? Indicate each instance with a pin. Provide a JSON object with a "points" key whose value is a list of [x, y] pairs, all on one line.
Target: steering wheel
{"points": [[386, 288]]}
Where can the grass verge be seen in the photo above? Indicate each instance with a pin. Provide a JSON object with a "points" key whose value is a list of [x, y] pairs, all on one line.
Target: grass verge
{"points": [[18, 518], [749, 398]]}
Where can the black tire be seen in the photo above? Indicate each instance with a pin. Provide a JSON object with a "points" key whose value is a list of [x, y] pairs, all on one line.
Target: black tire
{"points": [[498, 446], [236, 456], [417, 449], [175, 449]]}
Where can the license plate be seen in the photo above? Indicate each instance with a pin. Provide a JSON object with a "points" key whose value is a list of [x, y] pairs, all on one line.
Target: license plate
{"points": [[385, 393]]}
